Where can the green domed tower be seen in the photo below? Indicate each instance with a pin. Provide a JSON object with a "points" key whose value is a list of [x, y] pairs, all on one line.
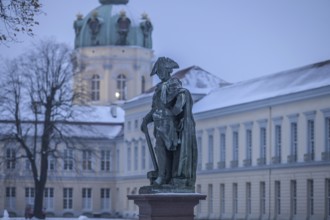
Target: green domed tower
{"points": [[114, 53]]}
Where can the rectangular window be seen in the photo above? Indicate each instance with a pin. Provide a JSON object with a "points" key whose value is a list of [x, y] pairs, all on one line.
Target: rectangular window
{"points": [[199, 158], [310, 197], [129, 160], [293, 200], [263, 144], [29, 195], [11, 197], [311, 139], [294, 141], [210, 198], [249, 144], [235, 146], [222, 198], [105, 160], [118, 160], [223, 147], [210, 147], [87, 160], [136, 157], [10, 159], [68, 159], [143, 161], [199, 190], [277, 197], [278, 143], [105, 198], [67, 198], [248, 198], [49, 198], [262, 198], [235, 198], [87, 198], [51, 163], [327, 197], [327, 134]]}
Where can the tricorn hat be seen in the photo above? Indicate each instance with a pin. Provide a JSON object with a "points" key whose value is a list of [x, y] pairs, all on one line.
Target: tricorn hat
{"points": [[164, 62]]}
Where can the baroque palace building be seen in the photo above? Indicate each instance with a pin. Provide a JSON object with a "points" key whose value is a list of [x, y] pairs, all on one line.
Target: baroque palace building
{"points": [[263, 144]]}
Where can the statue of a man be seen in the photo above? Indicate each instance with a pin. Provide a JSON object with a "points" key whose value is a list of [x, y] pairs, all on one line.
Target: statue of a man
{"points": [[174, 128], [123, 25], [146, 27]]}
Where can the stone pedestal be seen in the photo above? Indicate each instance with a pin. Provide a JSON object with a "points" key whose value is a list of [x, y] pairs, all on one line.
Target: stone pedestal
{"points": [[166, 206]]}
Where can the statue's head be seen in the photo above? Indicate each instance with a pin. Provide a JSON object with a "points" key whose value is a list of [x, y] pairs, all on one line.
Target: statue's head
{"points": [[164, 67]]}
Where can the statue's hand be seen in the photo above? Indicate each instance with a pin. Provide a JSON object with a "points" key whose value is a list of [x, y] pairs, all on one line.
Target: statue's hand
{"points": [[144, 126]]}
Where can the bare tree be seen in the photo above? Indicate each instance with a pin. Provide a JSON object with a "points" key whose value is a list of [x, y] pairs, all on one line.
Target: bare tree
{"points": [[37, 105], [17, 16]]}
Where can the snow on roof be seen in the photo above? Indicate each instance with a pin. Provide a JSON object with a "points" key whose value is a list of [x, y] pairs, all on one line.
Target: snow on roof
{"points": [[195, 79], [278, 84]]}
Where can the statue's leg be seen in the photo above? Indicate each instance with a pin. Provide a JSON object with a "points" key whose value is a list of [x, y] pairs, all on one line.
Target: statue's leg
{"points": [[161, 159]]}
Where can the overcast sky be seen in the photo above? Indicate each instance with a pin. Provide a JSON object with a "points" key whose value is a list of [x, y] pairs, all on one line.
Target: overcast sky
{"points": [[233, 39]]}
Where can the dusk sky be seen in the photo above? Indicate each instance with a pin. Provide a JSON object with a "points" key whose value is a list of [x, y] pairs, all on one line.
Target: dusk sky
{"points": [[233, 39]]}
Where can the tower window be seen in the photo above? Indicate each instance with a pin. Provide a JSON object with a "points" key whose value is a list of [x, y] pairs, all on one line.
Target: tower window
{"points": [[95, 88], [121, 87]]}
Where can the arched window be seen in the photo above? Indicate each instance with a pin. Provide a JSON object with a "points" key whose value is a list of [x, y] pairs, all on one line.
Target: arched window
{"points": [[95, 88], [121, 87], [143, 84]]}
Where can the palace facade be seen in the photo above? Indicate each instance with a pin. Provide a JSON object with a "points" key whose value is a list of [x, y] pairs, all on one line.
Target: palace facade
{"points": [[263, 144]]}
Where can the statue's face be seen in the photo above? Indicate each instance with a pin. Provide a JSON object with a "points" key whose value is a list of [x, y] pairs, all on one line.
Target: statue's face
{"points": [[163, 74]]}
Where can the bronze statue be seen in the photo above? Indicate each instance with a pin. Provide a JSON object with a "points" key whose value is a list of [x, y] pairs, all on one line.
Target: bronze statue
{"points": [[123, 25], [174, 131], [146, 27], [94, 23]]}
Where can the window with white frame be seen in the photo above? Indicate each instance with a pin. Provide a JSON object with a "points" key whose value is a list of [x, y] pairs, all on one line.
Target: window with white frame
{"points": [[327, 197], [310, 197], [210, 148], [311, 138], [49, 198], [11, 197], [199, 190], [210, 198], [222, 198], [105, 160], [262, 198], [293, 198], [294, 141], [263, 143], [67, 198], [143, 159], [87, 198], [327, 134], [87, 160], [223, 147], [235, 198], [105, 198], [248, 199], [235, 146], [199, 147], [29, 195], [51, 163], [121, 87], [248, 144], [10, 158], [278, 142], [129, 158], [136, 156], [68, 159], [95, 88], [310, 116], [277, 197]]}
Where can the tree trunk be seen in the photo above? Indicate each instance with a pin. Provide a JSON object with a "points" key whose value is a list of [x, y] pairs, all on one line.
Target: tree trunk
{"points": [[38, 200]]}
